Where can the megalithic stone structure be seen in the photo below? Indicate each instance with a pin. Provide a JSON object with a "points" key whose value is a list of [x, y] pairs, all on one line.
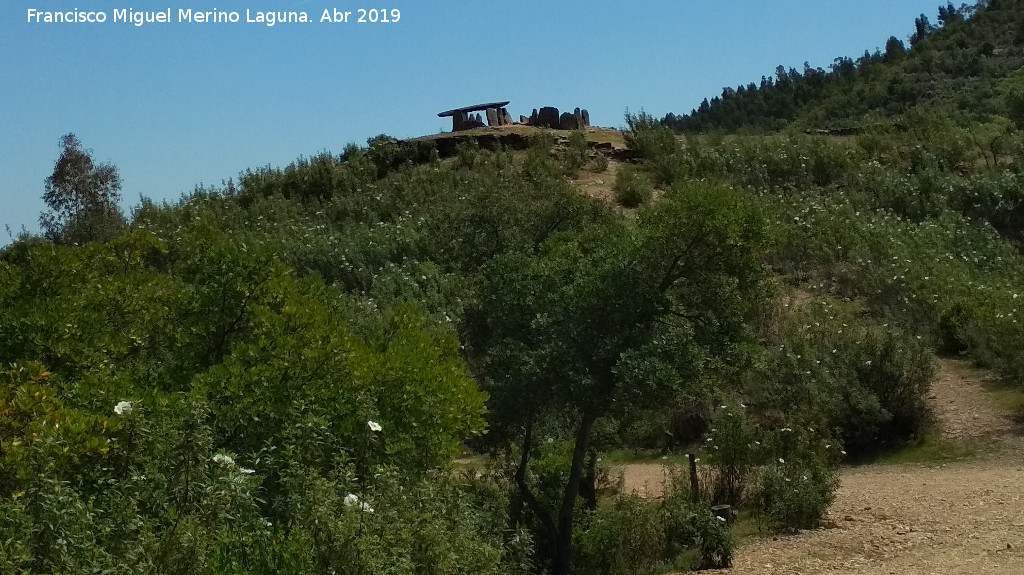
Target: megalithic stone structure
{"points": [[547, 117], [462, 120], [497, 114]]}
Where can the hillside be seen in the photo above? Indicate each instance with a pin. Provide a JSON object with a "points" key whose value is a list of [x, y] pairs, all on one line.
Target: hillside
{"points": [[965, 64], [431, 355]]}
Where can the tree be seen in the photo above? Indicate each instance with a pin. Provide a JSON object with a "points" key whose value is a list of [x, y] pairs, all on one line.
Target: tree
{"points": [[621, 315], [83, 197], [894, 49], [922, 29]]}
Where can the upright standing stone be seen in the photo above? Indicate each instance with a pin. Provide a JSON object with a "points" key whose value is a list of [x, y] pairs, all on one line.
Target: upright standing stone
{"points": [[506, 118], [578, 118], [492, 117], [586, 118], [534, 118], [548, 117]]}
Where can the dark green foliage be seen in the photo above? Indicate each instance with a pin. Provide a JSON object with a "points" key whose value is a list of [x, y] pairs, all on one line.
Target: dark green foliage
{"points": [[794, 490], [865, 381], [625, 537], [82, 196], [776, 463], [691, 525], [620, 315], [734, 449], [955, 64]]}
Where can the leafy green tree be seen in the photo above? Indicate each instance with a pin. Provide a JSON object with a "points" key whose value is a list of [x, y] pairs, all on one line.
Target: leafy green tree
{"points": [[894, 49], [621, 316], [83, 197]]}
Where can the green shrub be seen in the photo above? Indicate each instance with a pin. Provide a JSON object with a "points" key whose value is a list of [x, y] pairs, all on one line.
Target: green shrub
{"points": [[733, 448], [799, 482], [575, 154], [842, 371], [599, 164], [794, 495], [632, 186], [657, 146], [690, 525], [623, 538]]}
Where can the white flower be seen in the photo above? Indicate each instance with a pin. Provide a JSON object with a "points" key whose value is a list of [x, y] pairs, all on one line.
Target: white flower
{"points": [[373, 425], [247, 471], [843, 452], [352, 500], [123, 407], [223, 459], [781, 460], [720, 518]]}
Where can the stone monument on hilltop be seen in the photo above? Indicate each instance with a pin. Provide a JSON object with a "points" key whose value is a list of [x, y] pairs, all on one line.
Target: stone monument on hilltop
{"points": [[497, 115]]}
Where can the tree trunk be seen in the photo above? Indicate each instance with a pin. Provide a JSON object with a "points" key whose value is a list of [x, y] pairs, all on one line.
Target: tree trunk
{"points": [[563, 543], [527, 496], [588, 486]]}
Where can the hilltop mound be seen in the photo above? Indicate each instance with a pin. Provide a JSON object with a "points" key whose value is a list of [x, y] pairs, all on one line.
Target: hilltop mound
{"points": [[517, 137]]}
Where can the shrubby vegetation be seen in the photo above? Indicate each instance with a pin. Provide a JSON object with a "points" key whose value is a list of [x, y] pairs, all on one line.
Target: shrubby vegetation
{"points": [[276, 375], [964, 62]]}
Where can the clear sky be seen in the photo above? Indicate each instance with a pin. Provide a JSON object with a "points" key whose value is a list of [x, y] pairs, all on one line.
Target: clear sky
{"points": [[173, 105]]}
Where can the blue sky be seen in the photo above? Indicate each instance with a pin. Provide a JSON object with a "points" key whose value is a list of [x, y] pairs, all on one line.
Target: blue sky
{"points": [[175, 105]]}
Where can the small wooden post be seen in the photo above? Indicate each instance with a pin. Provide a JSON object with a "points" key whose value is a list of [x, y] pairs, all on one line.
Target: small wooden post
{"points": [[694, 485]]}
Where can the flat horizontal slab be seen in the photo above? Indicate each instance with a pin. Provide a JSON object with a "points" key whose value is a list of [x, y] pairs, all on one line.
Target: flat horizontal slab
{"points": [[477, 108]]}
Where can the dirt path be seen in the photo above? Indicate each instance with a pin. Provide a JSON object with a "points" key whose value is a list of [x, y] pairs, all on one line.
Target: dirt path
{"points": [[960, 404], [959, 518], [963, 518]]}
